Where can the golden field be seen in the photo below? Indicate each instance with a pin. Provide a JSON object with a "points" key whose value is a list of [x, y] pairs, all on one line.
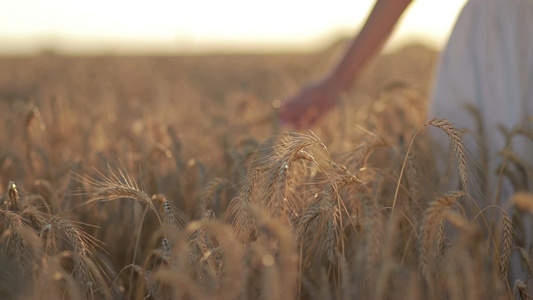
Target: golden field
{"points": [[171, 178]]}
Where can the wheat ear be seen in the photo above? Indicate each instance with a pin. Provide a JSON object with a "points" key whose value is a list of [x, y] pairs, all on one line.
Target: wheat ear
{"points": [[114, 187], [507, 245], [521, 287], [455, 136], [22, 251], [12, 201], [79, 246], [524, 201], [433, 216]]}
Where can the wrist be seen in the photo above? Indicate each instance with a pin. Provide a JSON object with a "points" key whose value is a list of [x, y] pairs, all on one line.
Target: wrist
{"points": [[335, 82]]}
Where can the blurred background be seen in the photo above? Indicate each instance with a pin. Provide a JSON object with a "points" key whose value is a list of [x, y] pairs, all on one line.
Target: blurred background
{"points": [[164, 27], [132, 74]]}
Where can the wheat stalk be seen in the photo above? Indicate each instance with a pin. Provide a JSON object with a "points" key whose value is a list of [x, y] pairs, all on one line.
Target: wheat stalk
{"points": [[527, 259]]}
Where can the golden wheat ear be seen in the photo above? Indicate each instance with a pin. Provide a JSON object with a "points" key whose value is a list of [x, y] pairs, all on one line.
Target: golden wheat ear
{"points": [[433, 216], [455, 135], [11, 200], [151, 284], [173, 216], [523, 200], [522, 290], [507, 245], [284, 256], [114, 187]]}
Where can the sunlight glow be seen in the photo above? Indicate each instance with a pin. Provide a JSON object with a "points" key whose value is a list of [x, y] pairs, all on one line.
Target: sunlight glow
{"points": [[205, 25]]}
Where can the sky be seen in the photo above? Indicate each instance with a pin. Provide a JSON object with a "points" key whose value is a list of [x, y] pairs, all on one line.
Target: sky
{"points": [[202, 26]]}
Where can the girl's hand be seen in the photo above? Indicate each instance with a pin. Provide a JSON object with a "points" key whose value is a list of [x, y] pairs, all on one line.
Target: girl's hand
{"points": [[304, 109]]}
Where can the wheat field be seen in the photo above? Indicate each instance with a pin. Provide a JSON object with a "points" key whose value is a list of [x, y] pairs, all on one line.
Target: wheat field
{"points": [[170, 178]]}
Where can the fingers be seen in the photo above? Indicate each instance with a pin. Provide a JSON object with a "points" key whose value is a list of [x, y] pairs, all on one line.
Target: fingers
{"points": [[309, 117], [306, 108], [289, 114], [299, 118]]}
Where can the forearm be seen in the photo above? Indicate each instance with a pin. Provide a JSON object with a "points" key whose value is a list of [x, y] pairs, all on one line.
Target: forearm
{"points": [[374, 34]]}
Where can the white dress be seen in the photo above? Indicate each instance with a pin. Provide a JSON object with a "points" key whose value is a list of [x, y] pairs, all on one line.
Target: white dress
{"points": [[488, 63]]}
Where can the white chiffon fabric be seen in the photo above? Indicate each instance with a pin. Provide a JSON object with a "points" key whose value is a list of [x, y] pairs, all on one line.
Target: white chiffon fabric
{"points": [[488, 63]]}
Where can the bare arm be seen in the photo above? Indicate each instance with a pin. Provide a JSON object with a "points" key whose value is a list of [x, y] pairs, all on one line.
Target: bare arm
{"points": [[370, 40], [305, 108]]}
